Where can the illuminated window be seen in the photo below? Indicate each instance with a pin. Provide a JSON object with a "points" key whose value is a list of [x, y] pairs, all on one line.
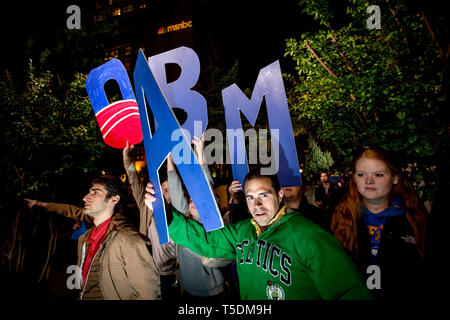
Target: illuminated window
{"points": [[139, 165], [128, 51], [112, 53], [128, 8], [98, 18], [116, 12], [140, 154], [118, 53]]}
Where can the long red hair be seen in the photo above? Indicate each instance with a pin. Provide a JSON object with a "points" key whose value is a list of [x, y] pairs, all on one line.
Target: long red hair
{"points": [[348, 212]]}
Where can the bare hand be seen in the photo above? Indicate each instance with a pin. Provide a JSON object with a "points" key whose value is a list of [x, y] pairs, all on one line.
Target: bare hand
{"points": [[199, 144], [234, 188], [170, 165], [31, 203], [149, 197], [127, 150], [76, 225]]}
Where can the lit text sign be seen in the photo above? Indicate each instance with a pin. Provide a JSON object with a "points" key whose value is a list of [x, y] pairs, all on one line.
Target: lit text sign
{"points": [[175, 27]]}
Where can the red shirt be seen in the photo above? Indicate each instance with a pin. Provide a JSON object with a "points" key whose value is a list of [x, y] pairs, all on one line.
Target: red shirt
{"points": [[95, 239]]}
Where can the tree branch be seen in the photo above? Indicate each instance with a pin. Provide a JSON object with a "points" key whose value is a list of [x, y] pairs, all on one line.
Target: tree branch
{"points": [[313, 52], [394, 14], [21, 177], [427, 23], [320, 60], [347, 64], [444, 70]]}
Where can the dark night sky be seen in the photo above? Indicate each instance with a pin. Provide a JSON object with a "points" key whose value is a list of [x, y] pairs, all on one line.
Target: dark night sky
{"points": [[255, 33], [22, 19], [251, 31]]}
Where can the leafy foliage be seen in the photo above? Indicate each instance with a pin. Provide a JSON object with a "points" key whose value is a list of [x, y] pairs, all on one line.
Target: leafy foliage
{"points": [[49, 131], [384, 88], [213, 80], [315, 159], [71, 51], [50, 140]]}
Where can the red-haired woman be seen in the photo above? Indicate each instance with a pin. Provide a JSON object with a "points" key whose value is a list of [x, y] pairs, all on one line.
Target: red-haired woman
{"points": [[379, 222]]}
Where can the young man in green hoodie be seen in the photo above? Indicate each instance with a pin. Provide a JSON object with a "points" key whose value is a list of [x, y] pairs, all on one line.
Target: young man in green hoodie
{"points": [[279, 255]]}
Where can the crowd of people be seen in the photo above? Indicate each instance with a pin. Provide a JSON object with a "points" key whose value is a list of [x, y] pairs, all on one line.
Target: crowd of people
{"points": [[361, 239]]}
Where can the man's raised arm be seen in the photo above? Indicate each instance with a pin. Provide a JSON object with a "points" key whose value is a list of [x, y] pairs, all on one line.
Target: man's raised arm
{"points": [[66, 210]]}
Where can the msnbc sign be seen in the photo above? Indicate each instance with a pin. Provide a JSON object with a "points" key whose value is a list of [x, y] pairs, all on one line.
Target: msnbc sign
{"points": [[175, 27]]}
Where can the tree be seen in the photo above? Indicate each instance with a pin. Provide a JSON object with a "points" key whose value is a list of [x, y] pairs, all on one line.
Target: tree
{"points": [[51, 44], [315, 159], [50, 139], [384, 88], [212, 81]]}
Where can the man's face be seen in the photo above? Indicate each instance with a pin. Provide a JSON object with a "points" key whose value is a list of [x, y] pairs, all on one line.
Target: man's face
{"points": [[323, 177], [262, 200], [193, 211], [165, 191], [292, 193], [94, 201]]}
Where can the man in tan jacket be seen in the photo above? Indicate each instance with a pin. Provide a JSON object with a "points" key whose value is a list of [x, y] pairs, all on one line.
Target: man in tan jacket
{"points": [[113, 259]]}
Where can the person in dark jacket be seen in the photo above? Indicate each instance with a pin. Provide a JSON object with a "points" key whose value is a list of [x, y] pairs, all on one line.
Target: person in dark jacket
{"points": [[295, 200], [327, 195], [381, 225]]}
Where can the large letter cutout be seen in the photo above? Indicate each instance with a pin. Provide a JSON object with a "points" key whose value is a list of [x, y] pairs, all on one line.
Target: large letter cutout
{"points": [[158, 146], [269, 85], [178, 93], [118, 121]]}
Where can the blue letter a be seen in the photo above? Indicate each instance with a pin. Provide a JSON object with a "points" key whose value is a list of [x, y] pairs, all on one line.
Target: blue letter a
{"points": [[158, 147]]}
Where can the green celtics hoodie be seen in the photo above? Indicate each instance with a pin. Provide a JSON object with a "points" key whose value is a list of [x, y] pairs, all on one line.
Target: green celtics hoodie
{"points": [[293, 259]]}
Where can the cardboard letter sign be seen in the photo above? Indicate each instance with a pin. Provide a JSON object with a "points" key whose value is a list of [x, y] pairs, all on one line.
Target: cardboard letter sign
{"points": [[158, 146], [118, 121], [178, 93], [128, 119], [269, 85]]}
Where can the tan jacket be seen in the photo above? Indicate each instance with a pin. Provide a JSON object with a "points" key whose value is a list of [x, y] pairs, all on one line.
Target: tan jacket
{"points": [[127, 269], [164, 255]]}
